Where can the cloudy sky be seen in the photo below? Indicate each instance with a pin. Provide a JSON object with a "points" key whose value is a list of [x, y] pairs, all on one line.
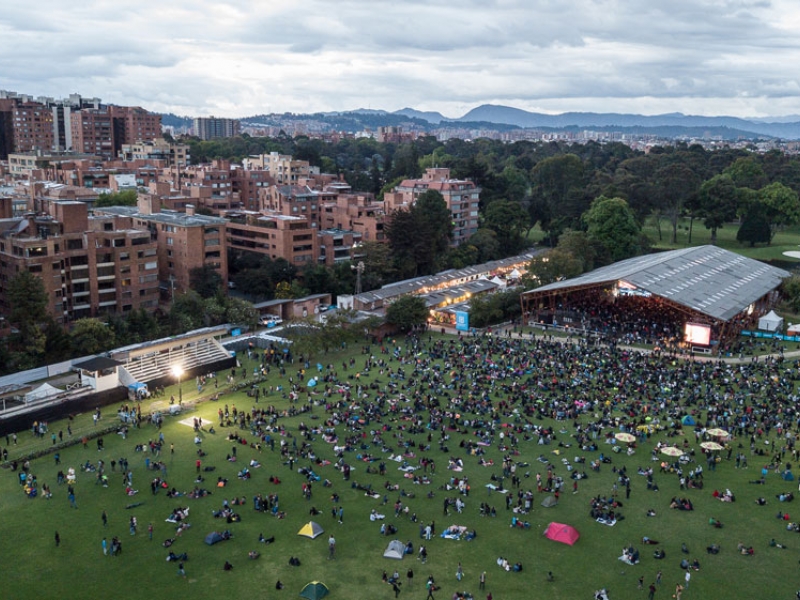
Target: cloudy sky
{"points": [[238, 58]]}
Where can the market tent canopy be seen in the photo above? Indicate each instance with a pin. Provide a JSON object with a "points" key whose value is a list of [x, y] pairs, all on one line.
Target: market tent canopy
{"points": [[311, 530], [395, 549], [314, 590], [43, 391], [770, 322], [559, 532]]}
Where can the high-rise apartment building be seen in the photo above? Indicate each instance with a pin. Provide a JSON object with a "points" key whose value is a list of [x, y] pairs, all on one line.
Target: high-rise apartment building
{"points": [[209, 128]]}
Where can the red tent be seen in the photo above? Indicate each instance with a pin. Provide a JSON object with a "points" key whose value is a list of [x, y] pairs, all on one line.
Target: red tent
{"points": [[558, 532]]}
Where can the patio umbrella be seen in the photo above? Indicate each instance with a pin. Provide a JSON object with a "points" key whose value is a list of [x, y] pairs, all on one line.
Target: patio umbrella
{"points": [[717, 432], [625, 437], [672, 451], [711, 446]]}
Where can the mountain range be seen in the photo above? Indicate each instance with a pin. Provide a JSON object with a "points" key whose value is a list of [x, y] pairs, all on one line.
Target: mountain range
{"points": [[490, 116], [781, 127]]}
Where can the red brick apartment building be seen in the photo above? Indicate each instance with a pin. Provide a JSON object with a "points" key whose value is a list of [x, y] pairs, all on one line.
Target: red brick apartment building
{"points": [[183, 240], [462, 197], [89, 266]]}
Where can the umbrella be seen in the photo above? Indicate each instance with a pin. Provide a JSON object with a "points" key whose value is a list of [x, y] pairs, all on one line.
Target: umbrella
{"points": [[711, 446], [717, 432], [625, 437], [672, 451]]}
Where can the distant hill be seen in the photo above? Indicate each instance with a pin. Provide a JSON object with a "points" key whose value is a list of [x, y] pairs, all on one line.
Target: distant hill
{"points": [[504, 118], [429, 116], [173, 120], [522, 118]]}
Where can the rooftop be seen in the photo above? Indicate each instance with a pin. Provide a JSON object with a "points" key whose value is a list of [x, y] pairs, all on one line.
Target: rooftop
{"points": [[707, 279]]}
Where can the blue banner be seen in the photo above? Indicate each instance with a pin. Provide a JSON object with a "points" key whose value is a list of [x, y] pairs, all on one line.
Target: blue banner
{"points": [[462, 321]]}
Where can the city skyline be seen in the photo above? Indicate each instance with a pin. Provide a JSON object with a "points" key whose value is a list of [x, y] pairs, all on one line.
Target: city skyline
{"points": [[724, 57]]}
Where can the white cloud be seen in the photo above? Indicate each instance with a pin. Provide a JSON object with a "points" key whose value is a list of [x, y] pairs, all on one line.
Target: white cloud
{"points": [[241, 58]]}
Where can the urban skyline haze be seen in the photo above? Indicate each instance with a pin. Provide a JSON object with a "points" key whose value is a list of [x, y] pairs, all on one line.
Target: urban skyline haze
{"points": [[235, 59]]}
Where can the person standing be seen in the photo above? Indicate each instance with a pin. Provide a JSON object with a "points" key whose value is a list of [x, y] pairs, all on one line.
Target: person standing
{"points": [[410, 577], [431, 587], [71, 497], [658, 578], [57, 539], [104, 518], [678, 592], [181, 570], [652, 593], [482, 585], [150, 532], [686, 578], [396, 588], [104, 544], [459, 572], [331, 547]]}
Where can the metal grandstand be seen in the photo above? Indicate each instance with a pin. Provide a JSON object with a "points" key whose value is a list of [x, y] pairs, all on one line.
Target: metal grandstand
{"points": [[706, 282]]}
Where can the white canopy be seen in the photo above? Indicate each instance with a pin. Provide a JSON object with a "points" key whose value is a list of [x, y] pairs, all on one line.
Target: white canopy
{"points": [[770, 322], [43, 391]]}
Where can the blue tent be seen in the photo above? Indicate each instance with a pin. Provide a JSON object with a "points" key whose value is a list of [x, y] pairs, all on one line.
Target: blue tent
{"points": [[688, 420]]}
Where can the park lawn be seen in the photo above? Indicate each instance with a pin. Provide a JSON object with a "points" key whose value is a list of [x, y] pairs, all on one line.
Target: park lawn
{"points": [[78, 567], [785, 239]]}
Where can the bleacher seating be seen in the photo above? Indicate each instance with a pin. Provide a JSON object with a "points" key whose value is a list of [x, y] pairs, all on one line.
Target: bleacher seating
{"points": [[189, 356]]}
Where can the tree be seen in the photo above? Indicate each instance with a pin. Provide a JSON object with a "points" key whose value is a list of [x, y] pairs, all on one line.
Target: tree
{"points": [[240, 312], [755, 227], [611, 225], [420, 236], [781, 206], [28, 314], [188, 312], [791, 293], [91, 336], [557, 193], [551, 266], [27, 298], [676, 184], [407, 312], [718, 203], [436, 226], [205, 280], [578, 244], [124, 198], [509, 221], [746, 172]]}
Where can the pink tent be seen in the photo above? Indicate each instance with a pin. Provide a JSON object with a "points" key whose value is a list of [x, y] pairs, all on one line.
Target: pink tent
{"points": [[558, 532]]}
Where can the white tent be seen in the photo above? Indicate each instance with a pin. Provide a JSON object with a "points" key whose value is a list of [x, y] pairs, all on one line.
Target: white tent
{"points": [[793, 329], [498, 282], [515, 274], [396, 549], [770, 322], [43, 391]]}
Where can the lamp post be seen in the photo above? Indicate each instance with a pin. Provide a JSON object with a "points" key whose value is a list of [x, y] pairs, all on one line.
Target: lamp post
{"points": [[359, 269], [177, 370]]}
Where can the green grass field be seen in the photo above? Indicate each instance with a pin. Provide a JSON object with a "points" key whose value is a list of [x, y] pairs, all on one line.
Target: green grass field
{"points": [[35, 567]]}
